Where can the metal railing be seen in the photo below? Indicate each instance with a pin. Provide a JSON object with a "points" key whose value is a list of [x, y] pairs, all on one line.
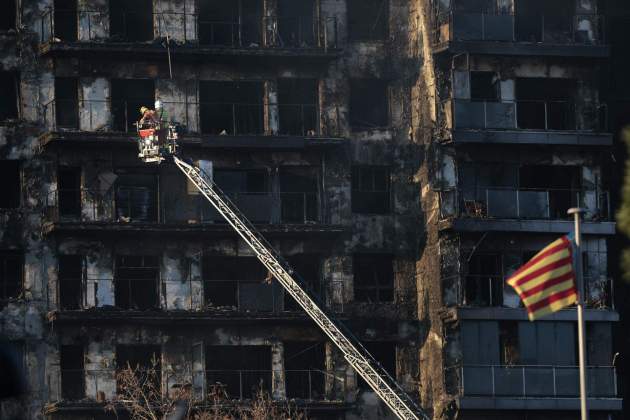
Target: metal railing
{"points": [[547, 115], [224, 118], [306, 384], [288, 32], [536, 381], [581, 29], [475, 290], [272, 208], [536, 204]]}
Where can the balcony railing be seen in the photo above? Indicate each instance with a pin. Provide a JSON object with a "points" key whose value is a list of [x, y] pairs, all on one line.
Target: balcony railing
{"points": [[126, 204], [255, 32], [474, 290], [545, 115], [307, 385], [534, 204], [582, 29], [213, 118], [536, 381]]}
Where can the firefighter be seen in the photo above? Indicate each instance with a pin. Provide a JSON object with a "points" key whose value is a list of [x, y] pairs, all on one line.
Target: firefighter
{"points": [[149, 119]]}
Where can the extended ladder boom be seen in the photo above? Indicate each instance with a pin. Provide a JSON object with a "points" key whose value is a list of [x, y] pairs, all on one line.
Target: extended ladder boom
{"points": [[358, 357]]}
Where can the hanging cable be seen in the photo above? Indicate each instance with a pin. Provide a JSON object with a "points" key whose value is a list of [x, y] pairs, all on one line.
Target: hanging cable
{"points": [[168, 38]]}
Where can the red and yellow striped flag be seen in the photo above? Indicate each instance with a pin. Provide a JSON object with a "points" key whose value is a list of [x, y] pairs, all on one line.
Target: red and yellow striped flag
{"points": [[546, 283]]}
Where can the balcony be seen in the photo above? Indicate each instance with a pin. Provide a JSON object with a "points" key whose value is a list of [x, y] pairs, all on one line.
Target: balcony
{"points": [[190, 36], [489, 297], [135, 210], [311, 388], [508, 34], [202, 124], [536, 386], [527, 122], [524, 210]]}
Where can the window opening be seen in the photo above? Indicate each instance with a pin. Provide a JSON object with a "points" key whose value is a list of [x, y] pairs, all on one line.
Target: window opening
{"points": [[131, 20], [11, 187], [145, 360], [373, 278], [484, 282], [9, 85], [305, 369], [136, 282], [72, 372], [69, 188], [385, 353], [240, 370], [369, 104], [298, 99], [11, 274], [298, 195], [65, 18], [370, 189], [484, 86], [136, 198], [71, 281], [546, 103], [297, 27], [368, 19], [127, 97], [67, 102], [231, 108]]}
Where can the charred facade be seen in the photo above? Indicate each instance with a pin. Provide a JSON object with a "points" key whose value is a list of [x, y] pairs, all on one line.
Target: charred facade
{"points": [[403, 155]]}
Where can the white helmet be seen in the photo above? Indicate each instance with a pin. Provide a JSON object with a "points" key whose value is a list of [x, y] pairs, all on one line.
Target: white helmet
{"points": [[158, 105]]}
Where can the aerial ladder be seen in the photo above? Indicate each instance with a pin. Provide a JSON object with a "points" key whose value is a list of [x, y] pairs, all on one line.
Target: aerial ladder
{"points": [[159, 143]]}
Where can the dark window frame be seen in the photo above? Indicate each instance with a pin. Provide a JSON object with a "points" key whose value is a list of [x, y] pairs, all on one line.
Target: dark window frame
{"points": [[364, 110], [381, 285], [358, 29], [358, 189], [12, 111], [11, 200], [18, 258]]}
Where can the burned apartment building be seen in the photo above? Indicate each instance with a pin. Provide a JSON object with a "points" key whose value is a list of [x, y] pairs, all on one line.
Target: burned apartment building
{"points": [[403, 155]]}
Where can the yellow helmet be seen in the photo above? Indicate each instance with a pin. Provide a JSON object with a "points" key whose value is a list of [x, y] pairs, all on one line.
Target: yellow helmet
{"points": [[143, 110]]}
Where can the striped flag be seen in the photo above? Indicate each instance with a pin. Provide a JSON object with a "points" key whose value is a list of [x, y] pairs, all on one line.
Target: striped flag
{"points": [[546, 283]]}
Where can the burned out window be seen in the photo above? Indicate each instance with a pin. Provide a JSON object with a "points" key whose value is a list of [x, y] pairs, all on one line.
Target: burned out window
{"points": [[484, 281], [557, 188], [236, 23], [66, 102], [308, 268], [484, 86], [368, 19], [296, 25], [71, 281], [544, 21], [131, 20], [144, 360], [249, 189], [136, 198], [66, 18], [240, 370], [373, 277], [72, 372], [237, 282], [546, 103], [136, 282], [508, 343], [11, 274], [231, 108], [8, 18], [297, 103], [369, 104], [298, 194], [69, 191], [305, 367], [385, 354], [9, 85], [370, 189], [127, 97], [11, 186]]}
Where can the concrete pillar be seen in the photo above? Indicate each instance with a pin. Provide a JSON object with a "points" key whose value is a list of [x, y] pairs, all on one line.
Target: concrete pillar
{"points": [[272, 113], [277, 366]]}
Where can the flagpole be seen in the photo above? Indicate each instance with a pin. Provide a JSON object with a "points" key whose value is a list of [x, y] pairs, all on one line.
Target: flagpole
{"points": [[577, 213]]}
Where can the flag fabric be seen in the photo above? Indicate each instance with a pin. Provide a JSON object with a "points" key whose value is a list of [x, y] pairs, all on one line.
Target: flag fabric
{"points": [[546, 283]]}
